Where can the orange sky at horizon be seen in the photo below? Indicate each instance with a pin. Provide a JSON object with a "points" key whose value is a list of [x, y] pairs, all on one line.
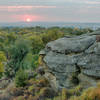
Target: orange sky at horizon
{"points": [[24, 17], [31, 18]]}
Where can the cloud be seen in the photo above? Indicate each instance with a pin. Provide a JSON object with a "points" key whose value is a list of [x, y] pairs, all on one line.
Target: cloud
{"points": [[30, 2], [24, 8], [84, 1], [46, 2], [92, 2]]}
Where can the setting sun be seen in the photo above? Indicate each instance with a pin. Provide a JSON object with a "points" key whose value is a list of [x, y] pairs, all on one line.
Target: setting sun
{"points": [[28, 20]]}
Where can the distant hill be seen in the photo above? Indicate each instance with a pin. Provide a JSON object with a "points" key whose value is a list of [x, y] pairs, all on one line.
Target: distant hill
{"points": [[51, 24]]}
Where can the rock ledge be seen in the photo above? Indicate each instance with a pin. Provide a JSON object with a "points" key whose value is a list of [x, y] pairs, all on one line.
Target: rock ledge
{"points": [[72, 61]]}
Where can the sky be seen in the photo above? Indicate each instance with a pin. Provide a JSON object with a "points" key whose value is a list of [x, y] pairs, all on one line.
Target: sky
{"points": [[50, 10]]}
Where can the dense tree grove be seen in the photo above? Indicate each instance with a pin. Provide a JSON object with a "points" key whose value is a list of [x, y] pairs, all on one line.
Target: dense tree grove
{"points": [[20, 46]]}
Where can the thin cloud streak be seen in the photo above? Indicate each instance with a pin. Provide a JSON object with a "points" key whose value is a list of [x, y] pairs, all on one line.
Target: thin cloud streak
{"points": [[92, 2], [89, 2], [25, 7]]}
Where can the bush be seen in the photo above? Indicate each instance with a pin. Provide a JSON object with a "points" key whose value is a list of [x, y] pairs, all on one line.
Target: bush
{"points": [[64, 94], [51, 35], [76, 91], [21, 78], [31, 88], [37, 44], [2, 60], [1, 74], [17, 53], [47, 92], [30, 61]]}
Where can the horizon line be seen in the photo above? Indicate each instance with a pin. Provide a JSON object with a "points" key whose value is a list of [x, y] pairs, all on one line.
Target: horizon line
{"points": [[47, 22]]}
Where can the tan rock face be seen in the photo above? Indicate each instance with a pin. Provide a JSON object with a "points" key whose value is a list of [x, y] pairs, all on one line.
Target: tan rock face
{"points": [[67, 60], [98, 38]]}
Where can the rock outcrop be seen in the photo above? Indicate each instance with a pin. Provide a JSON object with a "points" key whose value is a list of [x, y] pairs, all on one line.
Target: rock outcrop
{"points": [[70, 61]]}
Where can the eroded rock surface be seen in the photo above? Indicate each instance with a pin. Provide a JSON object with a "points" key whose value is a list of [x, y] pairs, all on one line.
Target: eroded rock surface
{"points": [[73, 60]]}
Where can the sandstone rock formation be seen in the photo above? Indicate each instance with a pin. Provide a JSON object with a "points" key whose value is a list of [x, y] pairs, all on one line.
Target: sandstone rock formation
{"points": [[70, 61]]}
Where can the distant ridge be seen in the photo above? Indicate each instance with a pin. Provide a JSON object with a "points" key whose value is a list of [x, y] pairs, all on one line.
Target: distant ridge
{"points": [[51, 24]]}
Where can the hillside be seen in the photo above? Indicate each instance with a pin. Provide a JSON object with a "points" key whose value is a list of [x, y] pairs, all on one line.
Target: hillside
{"points": [[49, 64]]}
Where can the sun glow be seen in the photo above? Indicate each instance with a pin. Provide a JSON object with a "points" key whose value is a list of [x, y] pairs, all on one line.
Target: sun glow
{"points": [[28, 20]]}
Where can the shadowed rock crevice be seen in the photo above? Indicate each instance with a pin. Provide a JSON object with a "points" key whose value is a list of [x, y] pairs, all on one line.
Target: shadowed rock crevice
{"points": [[78, 68]]}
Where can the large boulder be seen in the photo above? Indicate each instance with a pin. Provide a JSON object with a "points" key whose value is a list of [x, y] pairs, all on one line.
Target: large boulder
{"points": [[73, 60]]}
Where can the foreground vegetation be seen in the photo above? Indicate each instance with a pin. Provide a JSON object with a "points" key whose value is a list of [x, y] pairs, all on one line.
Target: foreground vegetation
{"points": [[19, 60], [40, 89]]}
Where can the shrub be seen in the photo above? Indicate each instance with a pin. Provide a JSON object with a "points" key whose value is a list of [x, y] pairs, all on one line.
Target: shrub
{"points": [[30, 61], [17, 53], [47, 92], [51, 35], [16, 91], [1, 75], [37, 44], [21, 78], [42, 82], [91, 94], [64, 94], [19, 98], [74, 98], [2, 60], [30, 89], [76, 91], [40, 60]]}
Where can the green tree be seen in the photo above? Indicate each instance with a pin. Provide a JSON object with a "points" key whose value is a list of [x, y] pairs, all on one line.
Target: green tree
{"points": [[11, 38], [17, 53], [51, 35], [37, 44], [30, 61]]}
